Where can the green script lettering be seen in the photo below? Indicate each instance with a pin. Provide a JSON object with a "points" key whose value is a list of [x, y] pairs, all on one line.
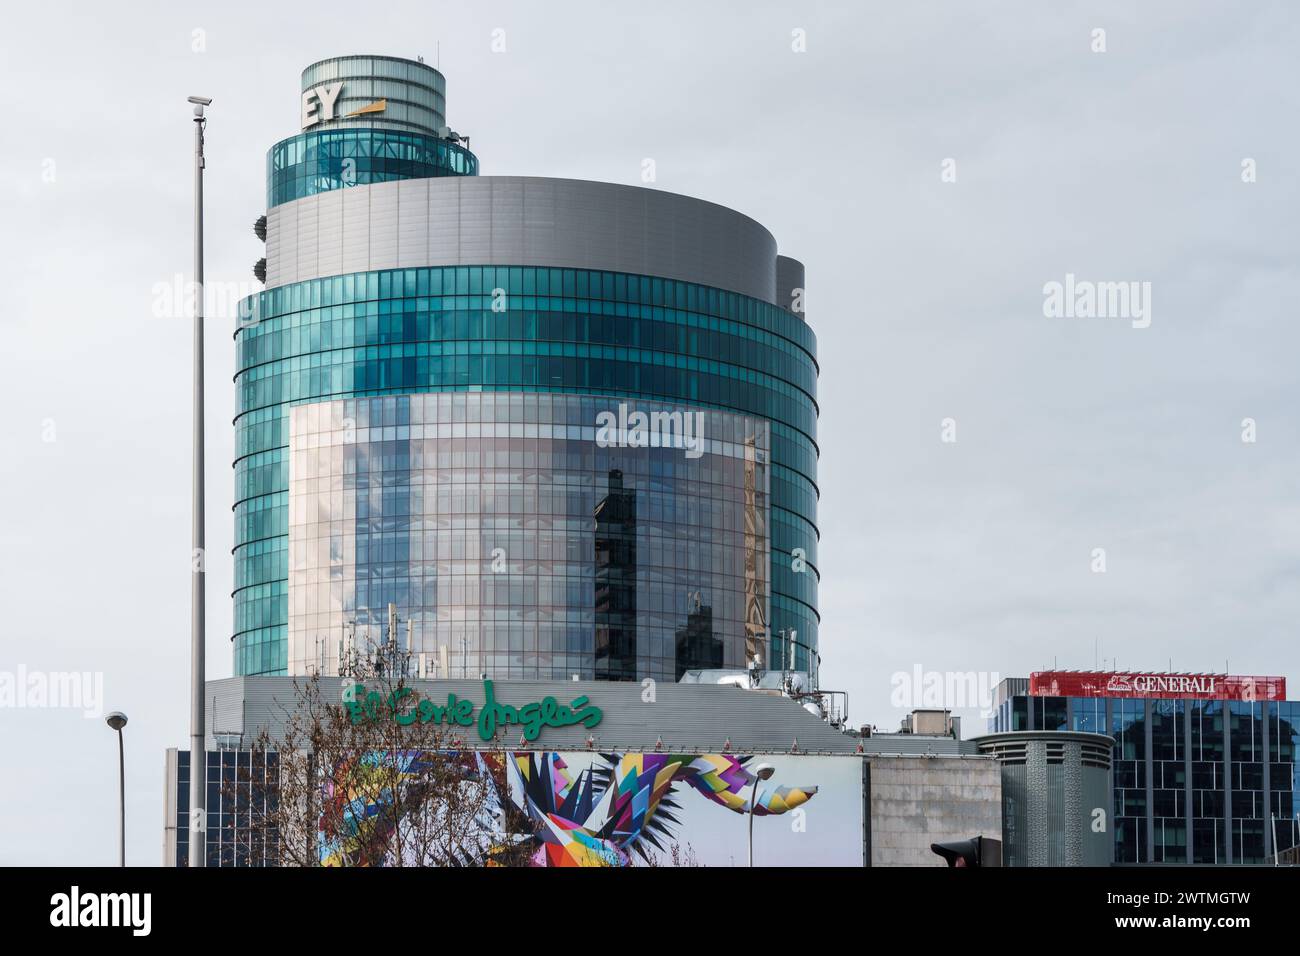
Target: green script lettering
{"points": [[532, 717]]}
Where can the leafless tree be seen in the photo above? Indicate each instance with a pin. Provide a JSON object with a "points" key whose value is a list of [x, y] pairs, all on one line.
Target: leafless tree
{"points": [[369, 783]]}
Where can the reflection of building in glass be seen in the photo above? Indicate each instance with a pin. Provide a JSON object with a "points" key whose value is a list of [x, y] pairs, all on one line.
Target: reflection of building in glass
{"points": [[1195, 779], [616, 582], [756, 559], [401, 284], [506, 537], [697, 647]]}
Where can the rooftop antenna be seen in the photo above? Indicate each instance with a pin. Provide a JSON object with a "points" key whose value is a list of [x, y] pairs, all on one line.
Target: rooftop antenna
{"points": [[437, 54]]}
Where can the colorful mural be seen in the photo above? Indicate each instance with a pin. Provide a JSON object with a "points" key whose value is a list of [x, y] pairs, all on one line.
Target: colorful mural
{"points": [[628, 805], [356, 829], [544, 808]]}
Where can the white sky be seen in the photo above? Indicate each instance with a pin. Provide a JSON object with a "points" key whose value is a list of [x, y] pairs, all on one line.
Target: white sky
{"points": [[1073, 434]]}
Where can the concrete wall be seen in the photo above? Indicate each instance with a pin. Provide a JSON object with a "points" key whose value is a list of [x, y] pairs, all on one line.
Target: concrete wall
{"points": [[916, 801]]}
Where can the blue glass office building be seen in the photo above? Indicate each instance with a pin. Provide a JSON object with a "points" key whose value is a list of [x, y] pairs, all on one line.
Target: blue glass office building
{"points": [[424, 392]]}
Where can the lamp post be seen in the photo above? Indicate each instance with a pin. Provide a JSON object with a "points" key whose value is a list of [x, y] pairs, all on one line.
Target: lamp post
{"points": [[198, 585], [763, 771], [117, 720]]}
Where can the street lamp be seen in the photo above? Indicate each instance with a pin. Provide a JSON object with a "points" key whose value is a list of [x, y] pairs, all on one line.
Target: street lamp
{"points": [[763, 771], [198, 583], [117, 720]]}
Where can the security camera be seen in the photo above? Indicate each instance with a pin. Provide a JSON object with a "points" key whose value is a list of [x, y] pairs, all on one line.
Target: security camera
{"points": [[201, 100]]}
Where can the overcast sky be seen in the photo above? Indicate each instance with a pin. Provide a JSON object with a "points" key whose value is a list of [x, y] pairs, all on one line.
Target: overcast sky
{"points": [[926, 295]]}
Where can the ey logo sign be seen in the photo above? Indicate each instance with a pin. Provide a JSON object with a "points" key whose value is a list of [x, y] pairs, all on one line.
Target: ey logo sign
{"points": [[318, 103]]}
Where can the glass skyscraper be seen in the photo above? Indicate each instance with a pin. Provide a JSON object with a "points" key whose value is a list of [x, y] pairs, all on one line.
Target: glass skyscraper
{"points": [[558, 427]]}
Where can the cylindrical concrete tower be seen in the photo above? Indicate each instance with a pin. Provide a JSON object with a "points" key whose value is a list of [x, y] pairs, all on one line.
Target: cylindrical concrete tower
{"points": [[562, 427], [1056, 797]]}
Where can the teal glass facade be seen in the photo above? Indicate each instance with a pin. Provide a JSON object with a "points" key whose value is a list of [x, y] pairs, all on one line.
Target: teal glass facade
{"points": [[517, 329], [337, 158]]}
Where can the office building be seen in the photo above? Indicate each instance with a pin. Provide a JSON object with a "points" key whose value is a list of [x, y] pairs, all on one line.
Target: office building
{"points": [[559, 427], [1204, 765]]}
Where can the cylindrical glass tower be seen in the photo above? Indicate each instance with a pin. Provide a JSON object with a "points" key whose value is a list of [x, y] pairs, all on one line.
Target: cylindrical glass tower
{"points": [[554, 427]]}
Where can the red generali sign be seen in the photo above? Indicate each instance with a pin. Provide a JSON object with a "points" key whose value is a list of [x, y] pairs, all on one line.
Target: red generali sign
{"points": [[1129, 684]]}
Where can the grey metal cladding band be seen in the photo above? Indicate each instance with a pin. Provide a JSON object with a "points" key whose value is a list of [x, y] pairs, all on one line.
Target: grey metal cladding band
{"points": [[520, 220]]}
